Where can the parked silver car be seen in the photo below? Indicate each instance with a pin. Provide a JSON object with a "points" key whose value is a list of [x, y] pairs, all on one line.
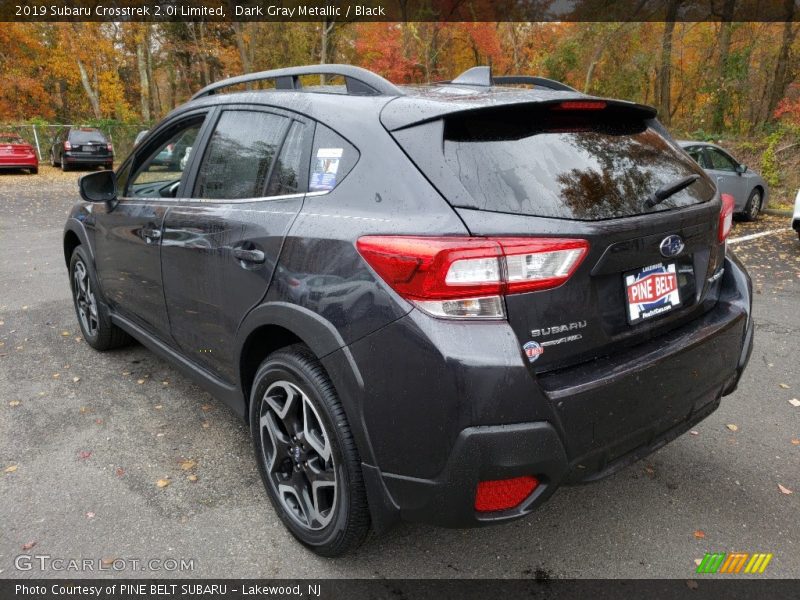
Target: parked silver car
{"points": [[746, 186]]}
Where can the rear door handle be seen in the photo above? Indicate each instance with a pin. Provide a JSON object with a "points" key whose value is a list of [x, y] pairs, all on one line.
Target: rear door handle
{"points": [[251, 256]]}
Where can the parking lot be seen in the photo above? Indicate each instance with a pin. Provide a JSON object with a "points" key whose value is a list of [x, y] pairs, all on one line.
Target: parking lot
{"points": [[116, 455]]}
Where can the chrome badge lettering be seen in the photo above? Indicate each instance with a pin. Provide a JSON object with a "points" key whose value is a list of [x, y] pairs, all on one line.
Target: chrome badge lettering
{"points": [[556, 329]]}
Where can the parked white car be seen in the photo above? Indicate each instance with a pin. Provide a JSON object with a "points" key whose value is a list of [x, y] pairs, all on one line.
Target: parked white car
{"points": [[796, 216]]}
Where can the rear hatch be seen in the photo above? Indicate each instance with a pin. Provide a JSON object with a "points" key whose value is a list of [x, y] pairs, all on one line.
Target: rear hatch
{"points": [[587, 169], [88, 143]]}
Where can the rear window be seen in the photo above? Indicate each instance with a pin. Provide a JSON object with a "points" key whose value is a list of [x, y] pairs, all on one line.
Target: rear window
{"points": [[570, 164], [87, 136]]}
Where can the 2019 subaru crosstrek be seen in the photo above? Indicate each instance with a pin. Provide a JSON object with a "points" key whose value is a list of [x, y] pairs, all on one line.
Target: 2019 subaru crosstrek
{"points": [[434, 303]]}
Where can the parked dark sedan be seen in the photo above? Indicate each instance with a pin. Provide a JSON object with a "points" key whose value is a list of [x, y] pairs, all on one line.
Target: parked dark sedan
{"points": [[507, 290], [81, 147]]}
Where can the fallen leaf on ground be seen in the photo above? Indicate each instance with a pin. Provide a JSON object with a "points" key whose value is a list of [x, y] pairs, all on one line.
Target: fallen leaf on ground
{"points": [[206, 425], [84, 454], [90, 515], [651, 472], [794, 402], [28, 546], [188, 464], [14, 403], [56, 375], [140, 381], [99, 421], [697, 561], [162, 483], [699, 534], [107, 561], [784, 386], [795, 442], [85, 409], [206, 407], [10, 469], [120, 471], [732, 427], [693, 432], [158, 407], [691, 584], [65, 333], [165, 383], [784, 490], [76, 379], [193, 478]]}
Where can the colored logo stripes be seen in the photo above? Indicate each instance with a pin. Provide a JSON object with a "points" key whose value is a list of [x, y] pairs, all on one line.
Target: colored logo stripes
{"points": [[734, 562]]}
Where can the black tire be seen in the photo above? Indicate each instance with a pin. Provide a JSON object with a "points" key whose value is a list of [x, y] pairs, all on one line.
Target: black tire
{"points": [[64, 166], [34, 170], [96, 326], [753, 207], [347, 514], [53, 162]]}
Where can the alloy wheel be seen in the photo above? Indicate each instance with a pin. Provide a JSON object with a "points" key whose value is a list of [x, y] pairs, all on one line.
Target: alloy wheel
{"points": [[298, 455], [85, 301]]}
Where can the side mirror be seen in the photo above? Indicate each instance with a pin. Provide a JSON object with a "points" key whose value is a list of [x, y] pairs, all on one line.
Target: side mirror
{"points": [[741, 169], [98, 187]]}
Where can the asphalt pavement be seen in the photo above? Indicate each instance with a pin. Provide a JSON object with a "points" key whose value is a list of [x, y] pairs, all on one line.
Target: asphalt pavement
{"points": [[85, 439]]}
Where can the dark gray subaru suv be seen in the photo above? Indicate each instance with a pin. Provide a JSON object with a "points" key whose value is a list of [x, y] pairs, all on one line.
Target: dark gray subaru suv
{"points": [[432, 303]]}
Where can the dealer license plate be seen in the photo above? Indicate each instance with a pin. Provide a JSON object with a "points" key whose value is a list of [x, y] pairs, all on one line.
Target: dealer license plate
{"points": [[651, 292]]}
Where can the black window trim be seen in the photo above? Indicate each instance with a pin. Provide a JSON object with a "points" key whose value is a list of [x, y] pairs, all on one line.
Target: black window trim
{"points": [[138, 154], [292, 117]]}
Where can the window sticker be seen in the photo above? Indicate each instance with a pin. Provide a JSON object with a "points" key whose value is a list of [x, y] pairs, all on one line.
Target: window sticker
{"points": [[326, 165]]}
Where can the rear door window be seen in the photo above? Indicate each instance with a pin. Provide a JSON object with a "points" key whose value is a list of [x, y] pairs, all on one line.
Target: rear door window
{"points": [[697, 154], [287, 174], [582, 164], [240, 154]]}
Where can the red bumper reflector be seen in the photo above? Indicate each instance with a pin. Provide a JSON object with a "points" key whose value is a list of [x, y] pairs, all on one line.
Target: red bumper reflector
{"points": [[503, 494]]}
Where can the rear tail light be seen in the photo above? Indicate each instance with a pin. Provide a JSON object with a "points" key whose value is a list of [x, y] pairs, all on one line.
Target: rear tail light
{"points": [[67, 146], [502, 494], [580, 105], [110, 147], [466, 277], [725, 217]]}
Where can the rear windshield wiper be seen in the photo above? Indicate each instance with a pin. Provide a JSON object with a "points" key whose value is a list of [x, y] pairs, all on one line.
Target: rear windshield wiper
{"points": [[669, 189]]}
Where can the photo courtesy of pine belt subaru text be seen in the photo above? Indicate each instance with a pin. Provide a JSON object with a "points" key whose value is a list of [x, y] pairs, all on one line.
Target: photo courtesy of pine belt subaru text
{"points": [[432, 303]]}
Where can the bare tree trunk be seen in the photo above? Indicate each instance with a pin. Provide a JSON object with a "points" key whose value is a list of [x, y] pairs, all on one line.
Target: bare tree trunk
{"points": [[87, 87], [241, 45], [144, 81], [721, 96], [663, 89], [325, 43], [782, 77]]}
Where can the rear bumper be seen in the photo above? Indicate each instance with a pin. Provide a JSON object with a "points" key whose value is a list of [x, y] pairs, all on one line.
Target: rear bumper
{"points": [[87, 160], [450, 407], [19, 163]]}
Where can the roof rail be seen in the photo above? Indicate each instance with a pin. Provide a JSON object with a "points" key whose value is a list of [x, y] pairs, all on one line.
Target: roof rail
{"points": [[483, 76], [358, 81]]}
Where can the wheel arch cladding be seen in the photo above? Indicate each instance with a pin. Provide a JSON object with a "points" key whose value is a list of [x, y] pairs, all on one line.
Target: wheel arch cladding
{"points": [[71, 241]]}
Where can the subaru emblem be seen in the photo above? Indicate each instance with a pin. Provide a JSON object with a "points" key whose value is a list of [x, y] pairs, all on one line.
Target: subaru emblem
{"points": [[672, 245]]}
